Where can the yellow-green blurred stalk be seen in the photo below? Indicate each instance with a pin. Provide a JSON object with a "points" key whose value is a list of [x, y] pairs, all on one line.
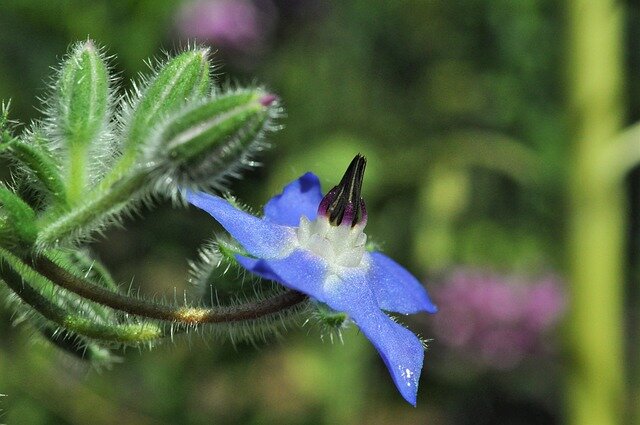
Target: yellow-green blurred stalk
{"points": [[595, 382]]}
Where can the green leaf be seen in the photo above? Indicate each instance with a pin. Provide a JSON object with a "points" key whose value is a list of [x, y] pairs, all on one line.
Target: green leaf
{"points": [[38, 163], [19, 230], [18, 277], [79, 346]]}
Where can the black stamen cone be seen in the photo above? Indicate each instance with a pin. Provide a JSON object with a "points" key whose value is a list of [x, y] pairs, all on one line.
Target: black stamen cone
{"points": [[343, 202]]}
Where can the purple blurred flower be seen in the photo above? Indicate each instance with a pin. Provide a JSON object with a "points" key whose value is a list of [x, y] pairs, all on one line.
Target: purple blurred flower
{"points": [[496, 320], [239, 25]]}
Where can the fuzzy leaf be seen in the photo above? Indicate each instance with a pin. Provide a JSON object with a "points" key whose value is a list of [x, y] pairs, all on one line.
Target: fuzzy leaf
{"points": [[40, 165], [79, 346], [19, 277], [19, 230]]}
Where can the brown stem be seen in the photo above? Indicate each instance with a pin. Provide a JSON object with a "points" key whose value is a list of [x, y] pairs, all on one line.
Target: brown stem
{"points": [[152, 310]]}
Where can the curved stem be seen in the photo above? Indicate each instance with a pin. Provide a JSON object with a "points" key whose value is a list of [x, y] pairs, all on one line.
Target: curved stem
{"points": [[123, 333], [185, 315]]}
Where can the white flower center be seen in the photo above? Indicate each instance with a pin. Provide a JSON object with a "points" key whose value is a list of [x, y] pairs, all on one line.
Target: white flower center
{"points": [[342, 246]]}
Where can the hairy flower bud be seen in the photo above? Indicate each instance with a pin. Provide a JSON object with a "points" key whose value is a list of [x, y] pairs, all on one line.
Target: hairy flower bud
{"points": [[204, 143], [184, 78], [82, 94], [80, 113]]}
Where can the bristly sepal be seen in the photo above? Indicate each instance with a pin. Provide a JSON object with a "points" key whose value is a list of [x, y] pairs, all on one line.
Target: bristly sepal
{"points": [[203, 145], [79, 114], [178, 81], [330, 323]]}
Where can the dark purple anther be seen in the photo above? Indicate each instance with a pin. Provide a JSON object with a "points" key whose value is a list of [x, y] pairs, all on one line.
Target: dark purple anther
{"points": [[343, 203], [268, 99]]}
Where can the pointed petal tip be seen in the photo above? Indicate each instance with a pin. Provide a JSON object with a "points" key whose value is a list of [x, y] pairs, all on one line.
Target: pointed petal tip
{"points": [[413, 400]]}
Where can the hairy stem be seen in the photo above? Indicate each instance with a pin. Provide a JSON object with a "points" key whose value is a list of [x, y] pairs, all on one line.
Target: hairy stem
{"points": [[184, 315], [83, 216], [121, 333]]}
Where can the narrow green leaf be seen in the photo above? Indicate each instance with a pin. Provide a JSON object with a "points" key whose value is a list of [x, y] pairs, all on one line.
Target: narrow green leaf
{"points": [[39, 164], [17, 276], [6, 125], [20, 225], [78, 346]]}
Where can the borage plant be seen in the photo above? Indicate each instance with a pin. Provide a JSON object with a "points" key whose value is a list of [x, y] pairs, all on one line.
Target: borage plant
{"points": [[97, 156]]}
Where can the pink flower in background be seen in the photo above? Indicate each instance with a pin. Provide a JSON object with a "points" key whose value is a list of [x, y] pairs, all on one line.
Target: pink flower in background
{"points": [[242, 26], [496, 320]]}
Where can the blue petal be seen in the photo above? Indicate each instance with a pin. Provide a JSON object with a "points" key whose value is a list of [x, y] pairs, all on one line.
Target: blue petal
{"points": [[298, 198], [301, 270], [395, 288], [400, 349], [258, 267], [259, 237]]}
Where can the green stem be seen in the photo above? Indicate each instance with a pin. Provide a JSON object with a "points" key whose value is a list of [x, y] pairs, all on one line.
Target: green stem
{"points": [[595, 385], [94, 211], [184, 315]]}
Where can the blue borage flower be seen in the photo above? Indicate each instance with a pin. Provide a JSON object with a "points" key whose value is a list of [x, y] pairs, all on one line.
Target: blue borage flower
{"points": [[316, 245]]}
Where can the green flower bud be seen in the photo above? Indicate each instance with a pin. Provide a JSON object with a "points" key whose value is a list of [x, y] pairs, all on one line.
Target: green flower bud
{"points": [[81, 113], [183, 78], [202, 144], [83, 94]]}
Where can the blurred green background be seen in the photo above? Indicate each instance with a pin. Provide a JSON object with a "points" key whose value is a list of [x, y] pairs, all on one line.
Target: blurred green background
{"points": [[460, 107]]}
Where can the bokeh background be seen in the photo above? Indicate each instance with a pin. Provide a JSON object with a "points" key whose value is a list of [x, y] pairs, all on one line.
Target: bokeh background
{"points": [[460, 107]]}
